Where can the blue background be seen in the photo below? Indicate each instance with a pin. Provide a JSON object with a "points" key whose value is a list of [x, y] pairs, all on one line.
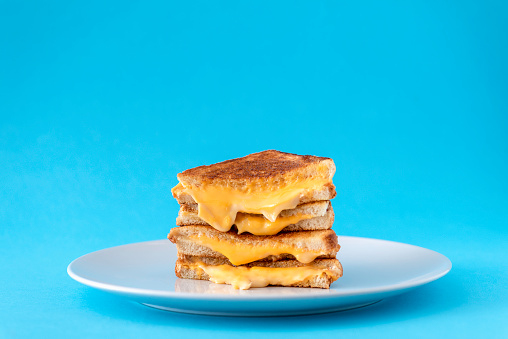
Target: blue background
{"points": [[103, 103]]}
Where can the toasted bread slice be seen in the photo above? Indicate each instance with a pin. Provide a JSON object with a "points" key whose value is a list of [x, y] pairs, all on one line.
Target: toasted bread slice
{"points": [[306, 217], [261, 183], [241, 249], [319, 274], [264, 168]]}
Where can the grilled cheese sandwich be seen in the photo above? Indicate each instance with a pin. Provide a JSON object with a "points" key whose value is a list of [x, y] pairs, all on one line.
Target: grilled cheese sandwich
{"points": [[279, 206], [261, 183], [244, 249]]}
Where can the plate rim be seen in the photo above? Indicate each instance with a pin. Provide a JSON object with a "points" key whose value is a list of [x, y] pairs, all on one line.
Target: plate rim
{"points": [[140, 292]]}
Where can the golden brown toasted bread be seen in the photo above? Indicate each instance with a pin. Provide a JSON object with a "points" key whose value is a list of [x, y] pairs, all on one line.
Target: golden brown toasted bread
{"points": [[267, 165], [320, 273], [241, 249]]}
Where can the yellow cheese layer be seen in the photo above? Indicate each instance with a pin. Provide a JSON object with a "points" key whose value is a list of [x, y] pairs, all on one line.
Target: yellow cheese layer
{"points": [[240, 254], [259, 225], [246, 277], [218, 205]]}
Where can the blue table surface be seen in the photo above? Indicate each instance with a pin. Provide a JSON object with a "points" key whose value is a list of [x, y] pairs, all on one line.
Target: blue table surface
{"points": [[102, 104]]}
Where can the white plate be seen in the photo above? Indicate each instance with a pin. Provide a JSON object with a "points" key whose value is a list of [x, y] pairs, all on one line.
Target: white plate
{"points": [[373, 270]]}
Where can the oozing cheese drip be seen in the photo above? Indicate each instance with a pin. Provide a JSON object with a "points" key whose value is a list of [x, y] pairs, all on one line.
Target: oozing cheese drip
{"points": [[246, 277], [219, 205], [259, 225], [240, 254]]}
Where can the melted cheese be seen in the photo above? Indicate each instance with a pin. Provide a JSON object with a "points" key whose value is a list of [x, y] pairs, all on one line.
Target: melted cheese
{"points": [[246, 277], [259, 225], [219, 205], [240, 254]]}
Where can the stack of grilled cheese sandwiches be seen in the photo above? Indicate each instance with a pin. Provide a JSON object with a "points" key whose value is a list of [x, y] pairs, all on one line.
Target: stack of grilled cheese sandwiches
{"points": [[264, 219]]}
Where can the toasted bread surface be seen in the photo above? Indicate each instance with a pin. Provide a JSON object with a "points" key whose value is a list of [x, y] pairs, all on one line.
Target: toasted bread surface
{"points": [[262, 165]]}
